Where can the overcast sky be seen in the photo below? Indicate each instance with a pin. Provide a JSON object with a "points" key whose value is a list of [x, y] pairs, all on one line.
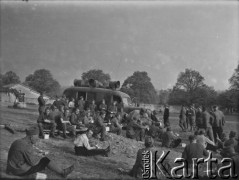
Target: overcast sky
{"points": [[121, 37]]}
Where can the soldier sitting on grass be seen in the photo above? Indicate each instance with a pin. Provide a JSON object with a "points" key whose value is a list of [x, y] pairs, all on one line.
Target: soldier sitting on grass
{"points": [[76, 118], [229, 146], [156, 131], [83, 148], [137, 169], [21, 158], [115, 127], [46, 121], [99, 126], [170, 139], [134, 129], [193, 150], [143, 155], [64, 123]]}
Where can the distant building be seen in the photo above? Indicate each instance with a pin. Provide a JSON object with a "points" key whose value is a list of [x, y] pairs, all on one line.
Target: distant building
{"points": [[30, 95]]}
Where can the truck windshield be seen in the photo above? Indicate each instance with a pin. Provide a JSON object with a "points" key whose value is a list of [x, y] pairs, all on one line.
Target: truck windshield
{"points": [[126, 101]]}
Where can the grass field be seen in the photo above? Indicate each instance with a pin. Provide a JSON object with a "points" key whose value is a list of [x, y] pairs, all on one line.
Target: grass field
{"points": [[62, 151]]}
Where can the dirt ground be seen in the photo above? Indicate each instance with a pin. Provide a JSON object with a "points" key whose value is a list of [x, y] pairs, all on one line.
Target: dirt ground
{"points": [[123, 152]]}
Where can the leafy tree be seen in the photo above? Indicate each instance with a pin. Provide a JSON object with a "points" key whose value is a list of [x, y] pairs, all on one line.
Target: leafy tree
{"points": [[42, 81], [1, 80], [178, 97], [190, 88], [139, 86], [228, 100], [189, 80], [96, 74], [234, 80], [164, 96], [204, 95], [10, 77]]}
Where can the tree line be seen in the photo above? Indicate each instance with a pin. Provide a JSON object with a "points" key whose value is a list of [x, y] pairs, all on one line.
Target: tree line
{"points": [[41, 80], [189, 88]]}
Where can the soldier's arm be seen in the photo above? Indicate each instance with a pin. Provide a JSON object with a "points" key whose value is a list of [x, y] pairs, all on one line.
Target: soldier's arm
{"points": [[28, 155], [47, 121], [63, 121], [209, 141]]}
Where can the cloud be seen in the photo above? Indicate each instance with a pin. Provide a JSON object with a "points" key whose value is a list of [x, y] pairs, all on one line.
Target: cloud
{"points": [[214, 81], [163, 58]]}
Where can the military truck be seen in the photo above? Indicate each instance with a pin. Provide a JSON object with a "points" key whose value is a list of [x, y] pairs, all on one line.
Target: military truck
{"points": [[92, 91]]}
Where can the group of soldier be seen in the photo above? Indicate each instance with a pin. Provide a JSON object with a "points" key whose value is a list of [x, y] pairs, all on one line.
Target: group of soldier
{"points": [[85, 119], [211, 120], [208, 127], [72, 116], [205, 127]]}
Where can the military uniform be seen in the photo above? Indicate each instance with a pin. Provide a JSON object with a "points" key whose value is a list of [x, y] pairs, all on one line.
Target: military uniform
{"points": [[182, 119], [100, 127], [81, 104], [76, 119], [206, 124], [166, 117], [41, 103], [115, 126], [218, 124], [102, 107], [169, 140], [66, 126], [192, 118], [21, 160], [135, 130], [45, 125]]}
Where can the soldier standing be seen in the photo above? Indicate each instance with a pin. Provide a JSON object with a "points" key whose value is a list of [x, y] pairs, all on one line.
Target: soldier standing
{"points": [[166, 116], [182, 119], [207, 124], [41, 103], [81, 103], [92, 108], [192, 117], [199, 118], [218, 123]]}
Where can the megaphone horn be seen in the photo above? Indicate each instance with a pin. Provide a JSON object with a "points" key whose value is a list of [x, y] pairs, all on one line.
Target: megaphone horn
{"points": [[92, 83], [114, 84], [117, 84], [77, 82]]}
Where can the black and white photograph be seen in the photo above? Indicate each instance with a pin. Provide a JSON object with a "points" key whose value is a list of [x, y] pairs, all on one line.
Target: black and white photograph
{"points": [[119, 89]]}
